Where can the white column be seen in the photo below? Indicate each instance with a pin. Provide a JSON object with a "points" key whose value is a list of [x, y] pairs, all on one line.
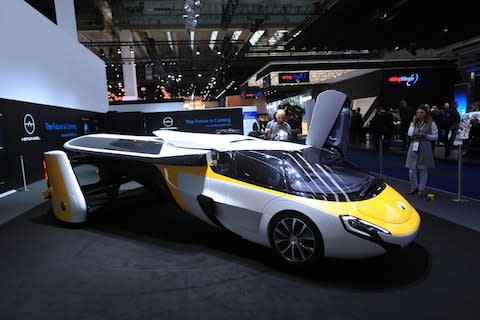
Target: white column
{"points": [[66, 19], [129, 69]]}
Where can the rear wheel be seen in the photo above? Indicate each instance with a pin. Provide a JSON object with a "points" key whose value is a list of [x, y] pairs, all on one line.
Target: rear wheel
{"points": [[295, 239]]}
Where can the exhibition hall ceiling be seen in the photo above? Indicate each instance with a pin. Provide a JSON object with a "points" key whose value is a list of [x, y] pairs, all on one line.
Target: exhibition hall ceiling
{"points": [[216, 43]]}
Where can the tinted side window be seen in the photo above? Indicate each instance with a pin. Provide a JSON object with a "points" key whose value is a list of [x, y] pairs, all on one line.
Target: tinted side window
{"points": [[225, 164], [260, 168]]}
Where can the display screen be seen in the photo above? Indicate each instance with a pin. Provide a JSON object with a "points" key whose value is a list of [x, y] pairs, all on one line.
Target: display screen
{"points": [[461, 97], [294, 77]]}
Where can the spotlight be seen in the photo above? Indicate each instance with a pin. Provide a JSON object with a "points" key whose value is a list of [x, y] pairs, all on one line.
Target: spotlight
{"points": [[198, 51], [119, 51], [131, 49]]}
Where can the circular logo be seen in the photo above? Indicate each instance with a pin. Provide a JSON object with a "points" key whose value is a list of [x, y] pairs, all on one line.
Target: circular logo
{"points": [[29, 123], [412, 80], [168, 121], [401, 205]]}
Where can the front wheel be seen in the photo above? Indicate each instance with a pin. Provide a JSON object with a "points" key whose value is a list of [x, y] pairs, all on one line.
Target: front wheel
{"points": [[295, 239]]}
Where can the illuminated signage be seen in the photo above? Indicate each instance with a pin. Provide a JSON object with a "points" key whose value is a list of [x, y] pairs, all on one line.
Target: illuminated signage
{"points": [[202, 121], [297, 77], [64, 130], [29, 126], [255, 94], [407, 80]]}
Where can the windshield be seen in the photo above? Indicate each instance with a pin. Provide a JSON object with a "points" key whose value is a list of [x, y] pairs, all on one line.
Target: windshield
{"points": [[321, 174]]}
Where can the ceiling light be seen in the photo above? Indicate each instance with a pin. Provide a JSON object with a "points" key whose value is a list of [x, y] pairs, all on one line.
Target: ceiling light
{"points": [[131, 49], [198, 51], [169, 39], [253, 40], [213, 37], [236, 35], [199, 75], [277, 36], [119, 51], [192, 39]]}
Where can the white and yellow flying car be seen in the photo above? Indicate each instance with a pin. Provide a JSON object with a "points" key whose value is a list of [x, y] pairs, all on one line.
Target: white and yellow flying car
{"points": [[303, 201]]}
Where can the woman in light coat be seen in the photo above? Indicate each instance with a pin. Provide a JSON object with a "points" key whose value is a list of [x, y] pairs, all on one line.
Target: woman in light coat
{"points": [[423, 132]]}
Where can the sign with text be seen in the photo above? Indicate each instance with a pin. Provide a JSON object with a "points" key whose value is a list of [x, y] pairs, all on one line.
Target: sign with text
{"points": [[294, 77], [407, 80], [202, 121]]}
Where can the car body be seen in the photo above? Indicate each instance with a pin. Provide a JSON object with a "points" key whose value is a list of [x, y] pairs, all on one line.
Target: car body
{"points": [[303, 201]]}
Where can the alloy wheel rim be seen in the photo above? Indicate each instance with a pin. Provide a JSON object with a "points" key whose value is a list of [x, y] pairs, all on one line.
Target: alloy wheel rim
{"points": [[294, 240]]}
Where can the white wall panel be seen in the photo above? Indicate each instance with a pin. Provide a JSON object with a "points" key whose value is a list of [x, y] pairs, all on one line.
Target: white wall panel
{"points": [[41, 63]]}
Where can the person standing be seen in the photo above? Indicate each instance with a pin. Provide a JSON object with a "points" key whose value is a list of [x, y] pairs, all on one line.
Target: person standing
{"points": [[454, 121], [406, 113], [382, 127], [280, 129], [294, 118], [443, 124], [435, 113], [356, 127], [422, 132], [472, 148]]}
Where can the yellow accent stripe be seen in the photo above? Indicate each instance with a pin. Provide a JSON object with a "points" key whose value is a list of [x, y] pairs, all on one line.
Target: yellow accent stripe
{"points": [[335, 208], [171, 173]]}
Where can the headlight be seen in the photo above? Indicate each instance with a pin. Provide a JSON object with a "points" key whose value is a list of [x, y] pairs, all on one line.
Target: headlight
{"points": [[362, 227]]}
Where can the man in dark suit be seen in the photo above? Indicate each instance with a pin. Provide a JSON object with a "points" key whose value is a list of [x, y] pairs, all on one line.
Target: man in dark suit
{"points": [[406, 114], [454, 124]]}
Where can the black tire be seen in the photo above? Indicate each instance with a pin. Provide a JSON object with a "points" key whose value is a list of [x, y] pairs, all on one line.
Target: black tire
{"points": [[295, 239]]}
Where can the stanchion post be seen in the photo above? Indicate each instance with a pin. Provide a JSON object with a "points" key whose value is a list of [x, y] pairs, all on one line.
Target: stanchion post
{"points": [[25, 188], [380, 149], [459, 173]]}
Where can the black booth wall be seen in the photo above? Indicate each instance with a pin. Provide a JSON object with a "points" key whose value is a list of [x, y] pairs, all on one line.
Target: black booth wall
{"points": [[435, 85], [364, 86], [28, 129]]}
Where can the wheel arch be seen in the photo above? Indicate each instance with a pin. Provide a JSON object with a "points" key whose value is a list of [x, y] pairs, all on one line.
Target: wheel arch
{"points": [[293, 212]]}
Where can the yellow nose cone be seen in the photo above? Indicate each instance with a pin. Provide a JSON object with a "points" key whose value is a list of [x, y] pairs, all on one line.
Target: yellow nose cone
{"points": [[389, 206]]}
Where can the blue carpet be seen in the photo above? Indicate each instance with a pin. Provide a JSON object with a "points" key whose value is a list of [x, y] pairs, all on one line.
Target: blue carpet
{"points": [[443, 176]]}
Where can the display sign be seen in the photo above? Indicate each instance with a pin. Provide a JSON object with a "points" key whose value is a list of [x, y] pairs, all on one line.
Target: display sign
{"points": [[294, 77], [249, 119], [202, 121], [63, 130], [407, 80], [461, 94], [33, 129], [251, 92], [255, 94]]}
